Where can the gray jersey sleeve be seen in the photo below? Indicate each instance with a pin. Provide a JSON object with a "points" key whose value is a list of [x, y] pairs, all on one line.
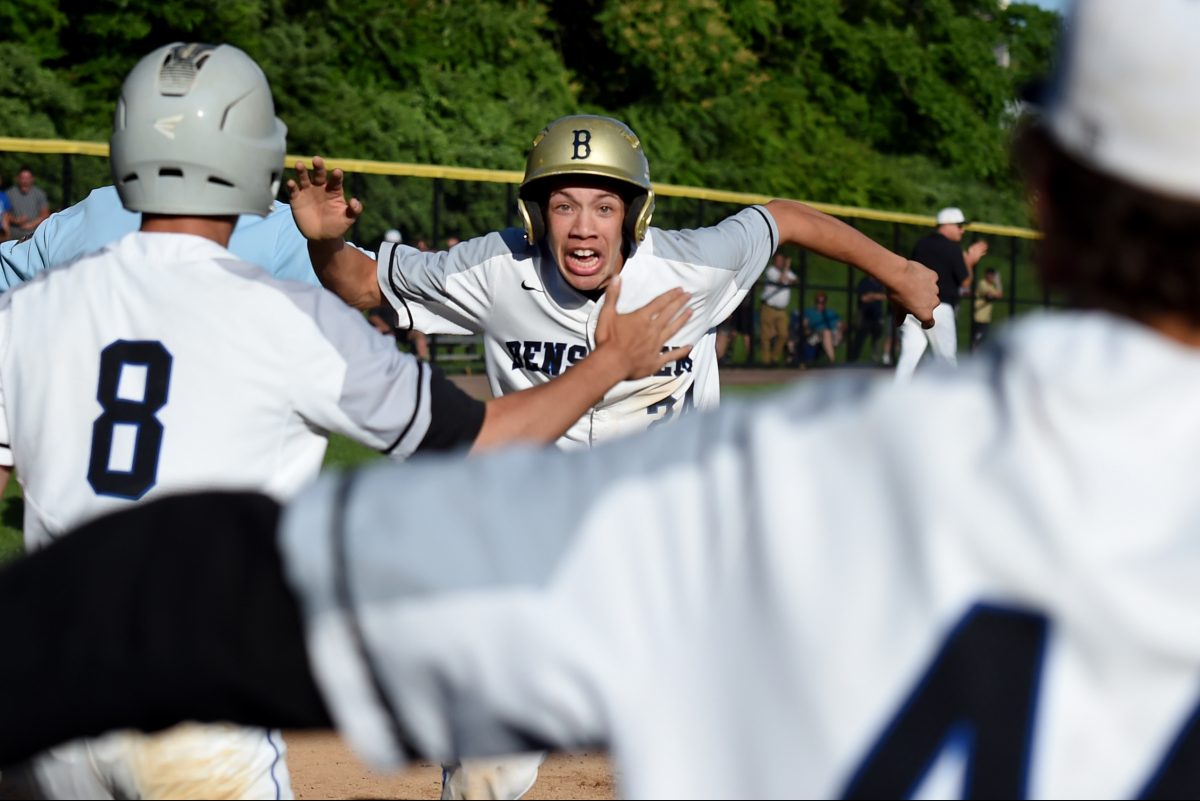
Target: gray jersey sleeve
{"points": [[732, 253], [446, 292], [448, 620], [349, 379]]}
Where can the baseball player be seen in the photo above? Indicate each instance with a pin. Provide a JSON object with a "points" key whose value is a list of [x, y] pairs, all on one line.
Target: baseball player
{"points": [[99, 219], [586, 203], [1030, 633], [942, 253], [176, 366]]}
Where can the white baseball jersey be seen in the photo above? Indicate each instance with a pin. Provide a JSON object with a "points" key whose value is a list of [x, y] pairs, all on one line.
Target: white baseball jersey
{"points": [[1008, 612], [163, 364], [535, 325]]}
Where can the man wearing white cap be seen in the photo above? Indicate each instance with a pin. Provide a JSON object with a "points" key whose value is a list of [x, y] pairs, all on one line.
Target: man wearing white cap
{"points": [[941, 252]]}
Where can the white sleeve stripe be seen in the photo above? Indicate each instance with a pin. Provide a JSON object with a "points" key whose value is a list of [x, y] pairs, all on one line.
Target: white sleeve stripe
{"points": [[345, 600]]}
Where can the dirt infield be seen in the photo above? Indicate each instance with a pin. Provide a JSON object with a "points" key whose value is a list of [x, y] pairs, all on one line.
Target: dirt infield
{"points": [[322, 767]]}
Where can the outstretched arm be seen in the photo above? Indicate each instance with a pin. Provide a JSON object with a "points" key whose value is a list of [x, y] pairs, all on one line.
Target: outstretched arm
{"points": [[912, 285], [200, 625], [628, 346], [324, 215]]}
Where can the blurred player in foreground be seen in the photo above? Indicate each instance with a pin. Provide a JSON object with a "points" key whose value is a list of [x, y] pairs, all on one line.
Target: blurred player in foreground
{"points": [[753, 643]]}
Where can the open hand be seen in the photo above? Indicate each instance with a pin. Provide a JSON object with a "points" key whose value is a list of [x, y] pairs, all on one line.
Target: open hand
{"points": [[319, 204], [977, 251], [641, 334]]}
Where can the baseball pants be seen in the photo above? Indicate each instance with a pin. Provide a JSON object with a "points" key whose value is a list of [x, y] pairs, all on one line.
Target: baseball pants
{"points": [[941, 339]]}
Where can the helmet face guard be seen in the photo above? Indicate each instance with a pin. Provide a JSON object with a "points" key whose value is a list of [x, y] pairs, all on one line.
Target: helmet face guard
{"points": [[592, 146], [195, 133]]}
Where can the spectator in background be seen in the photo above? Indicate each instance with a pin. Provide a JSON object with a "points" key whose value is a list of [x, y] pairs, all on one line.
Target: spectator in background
{"points": [[871, 297], [773, 314], [5, 214], [823, 328], [739, 325], [28, 205], [987, 293], [942, 252]]}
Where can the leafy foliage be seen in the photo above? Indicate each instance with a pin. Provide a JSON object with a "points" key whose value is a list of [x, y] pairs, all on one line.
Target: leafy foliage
{"points": [[888, 103]]}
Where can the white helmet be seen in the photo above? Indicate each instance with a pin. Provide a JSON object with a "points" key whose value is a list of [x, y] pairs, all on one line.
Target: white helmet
{"points": [[1124, 99], [196, 133]]}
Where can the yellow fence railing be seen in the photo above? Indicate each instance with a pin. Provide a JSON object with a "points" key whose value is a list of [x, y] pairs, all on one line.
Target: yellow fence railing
{"points": [[68, 147]]}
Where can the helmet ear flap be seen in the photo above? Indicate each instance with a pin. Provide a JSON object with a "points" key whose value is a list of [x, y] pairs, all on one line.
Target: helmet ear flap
{"points": [[637, 217], [531, 216]]}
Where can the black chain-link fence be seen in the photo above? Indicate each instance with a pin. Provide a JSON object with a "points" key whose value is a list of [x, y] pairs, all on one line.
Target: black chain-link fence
{"points": [[67, 178]]}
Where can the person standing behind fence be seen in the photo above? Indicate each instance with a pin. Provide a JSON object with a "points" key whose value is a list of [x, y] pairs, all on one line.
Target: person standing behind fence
{"points": [[871, 297], [987, 293], [941, 252], [739, 325], [5, 214], [773, 314], [29, 205]]}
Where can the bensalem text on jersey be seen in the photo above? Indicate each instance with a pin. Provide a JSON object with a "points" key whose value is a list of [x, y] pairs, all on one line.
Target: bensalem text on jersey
{"points": [[1008, 612], [535, 325]]}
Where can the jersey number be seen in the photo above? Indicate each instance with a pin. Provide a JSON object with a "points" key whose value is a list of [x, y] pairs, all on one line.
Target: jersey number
{"points": [[667, 406], [129, 419], [981, 693]]}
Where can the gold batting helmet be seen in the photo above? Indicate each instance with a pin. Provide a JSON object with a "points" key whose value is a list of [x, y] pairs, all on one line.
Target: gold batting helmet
{"points": [[586, 144]]}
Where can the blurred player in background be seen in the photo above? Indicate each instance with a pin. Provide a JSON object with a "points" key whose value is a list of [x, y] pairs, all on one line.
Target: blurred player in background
{"points": [[987, 292], [161, 363], [942, 252]]}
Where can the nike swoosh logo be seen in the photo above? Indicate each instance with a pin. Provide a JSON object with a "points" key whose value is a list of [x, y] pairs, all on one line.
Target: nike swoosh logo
{"points": [[530, 288]]}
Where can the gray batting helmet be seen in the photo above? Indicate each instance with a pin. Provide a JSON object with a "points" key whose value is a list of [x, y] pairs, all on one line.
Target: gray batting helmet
{"points": [[196, 133]]}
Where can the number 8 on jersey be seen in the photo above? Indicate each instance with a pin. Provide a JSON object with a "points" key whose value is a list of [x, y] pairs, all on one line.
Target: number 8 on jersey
{"points": [[134, 378]]}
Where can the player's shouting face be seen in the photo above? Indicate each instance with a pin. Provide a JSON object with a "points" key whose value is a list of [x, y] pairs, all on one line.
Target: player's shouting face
{"points": [[583, 225]]}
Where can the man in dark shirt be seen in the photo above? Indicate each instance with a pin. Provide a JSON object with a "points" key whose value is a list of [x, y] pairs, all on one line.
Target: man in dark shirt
{"points": [[941, 252], [869, 324]]}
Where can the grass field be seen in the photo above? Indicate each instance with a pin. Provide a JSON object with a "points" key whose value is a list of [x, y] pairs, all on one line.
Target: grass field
{"points": [[342, 453]]}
